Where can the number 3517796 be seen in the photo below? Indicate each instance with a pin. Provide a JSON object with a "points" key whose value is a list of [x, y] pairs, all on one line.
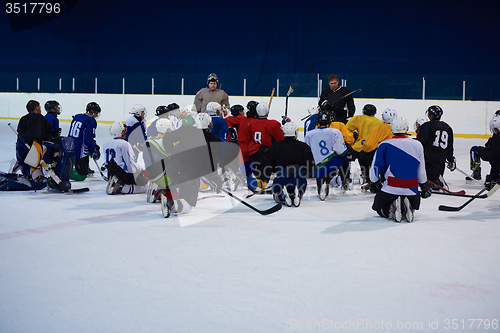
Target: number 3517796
{"points": [[32, 8]]}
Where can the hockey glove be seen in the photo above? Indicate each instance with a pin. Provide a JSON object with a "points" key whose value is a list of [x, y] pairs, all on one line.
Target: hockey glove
{"points": [[426, 190], [453, 164], [376, 187], [490, 182], [96, 154]]}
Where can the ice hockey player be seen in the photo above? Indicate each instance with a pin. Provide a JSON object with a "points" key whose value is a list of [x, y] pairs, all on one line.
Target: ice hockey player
{"points": [[219, 126], [436, 137], [419, 123], [397, 170], [312, 121], [161, 113], [329, 151], [233, 121], [174, 115], [244, 137], [372, 140], [136, 127], [191, 157], [125, 175], [342, 106], [489, 152], [82, 130], [187, 117], [294, 163], [32, 127], [153, 153], [210, 94], [53, 109], [263, 133]]}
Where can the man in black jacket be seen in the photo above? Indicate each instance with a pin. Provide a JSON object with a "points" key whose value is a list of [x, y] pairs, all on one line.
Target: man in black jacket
{"points": [[343, 107]]}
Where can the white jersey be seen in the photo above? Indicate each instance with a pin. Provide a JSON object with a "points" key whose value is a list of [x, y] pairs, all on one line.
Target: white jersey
{"points": [[121, 152], [325, 141], [176, 122]]}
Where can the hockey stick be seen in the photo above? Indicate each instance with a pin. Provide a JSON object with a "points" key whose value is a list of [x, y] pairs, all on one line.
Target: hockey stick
{"points": [[349, 94], [461, 192], [100, 170], [271, 210], [482, 196], [271, 99], [290, 90], [456, 209], [44, 165], [477, 181]]}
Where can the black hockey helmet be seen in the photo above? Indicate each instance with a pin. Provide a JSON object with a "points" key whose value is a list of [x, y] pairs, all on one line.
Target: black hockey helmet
{"points": [[161, 110], [327, 106], [93, 107], [51, 106], [173, 106], [324, 117], [497, 113], [237, 109], [435, 111], [369, 110], [252, 109]]}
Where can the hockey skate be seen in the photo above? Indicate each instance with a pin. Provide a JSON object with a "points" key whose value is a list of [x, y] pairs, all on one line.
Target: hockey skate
{"points": [[167, 206], [286, 195], [297, 197], [153, 192], [476, 174], [395, 210], [346, 185], [323, 191], [409, 212], [114, 186]]}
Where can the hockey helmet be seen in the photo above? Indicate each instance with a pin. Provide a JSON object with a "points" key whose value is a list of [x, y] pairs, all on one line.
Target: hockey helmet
{"points": [[262, 110], [212, 78], [116, 129], [313, 109], [497, 113], [52, 107], [388, 115], [494, 124], [399, 125], [324, 118], [137, 111], [93, 108], [326, 105], [419, 122], [212, 108], [290, 129], [203, 120], [435, 111], [369, 110], [163, 125], [237, 109], [162, 109], [252, 109], [173, 107]]}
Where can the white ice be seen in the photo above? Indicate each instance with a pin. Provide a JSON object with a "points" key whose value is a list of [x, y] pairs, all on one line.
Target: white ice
{"points": [[99, 263]]}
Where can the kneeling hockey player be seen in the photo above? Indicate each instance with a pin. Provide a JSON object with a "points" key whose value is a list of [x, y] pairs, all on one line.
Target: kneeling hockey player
{"points": [[125, 175], [398, 168]]}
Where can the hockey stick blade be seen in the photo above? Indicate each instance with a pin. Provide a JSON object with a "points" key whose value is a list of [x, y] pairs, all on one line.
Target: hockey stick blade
{"points": [[456, 209], [461, 192], [493, 190], [453, 194], [475, 180], [268, 211]]}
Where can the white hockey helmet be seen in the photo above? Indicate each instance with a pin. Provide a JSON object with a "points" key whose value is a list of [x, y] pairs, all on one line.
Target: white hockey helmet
{"points": [[399, 125], [388, 115], [290, 129], [138, 109], [203, 120], [116, 129], [313, 109], [163, 125], [419, 122], [212, 108], [262, 109], [494, 124]]}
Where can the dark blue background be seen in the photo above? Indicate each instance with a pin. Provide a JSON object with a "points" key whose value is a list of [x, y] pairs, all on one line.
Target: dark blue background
{"points": [[382, 47]]}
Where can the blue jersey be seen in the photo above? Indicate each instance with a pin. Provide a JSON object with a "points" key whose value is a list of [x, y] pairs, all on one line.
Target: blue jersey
{"points": [[53, 121], [401, 160], [152, 131], [220, 128], [310, 123], [82, 130]]}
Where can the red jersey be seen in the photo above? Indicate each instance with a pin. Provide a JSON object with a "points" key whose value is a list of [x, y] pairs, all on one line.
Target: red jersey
{"points": [[263, 132], [244, 136]]}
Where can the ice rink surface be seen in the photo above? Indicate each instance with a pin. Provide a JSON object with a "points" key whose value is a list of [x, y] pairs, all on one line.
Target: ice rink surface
{"points": [[98, 263]]}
